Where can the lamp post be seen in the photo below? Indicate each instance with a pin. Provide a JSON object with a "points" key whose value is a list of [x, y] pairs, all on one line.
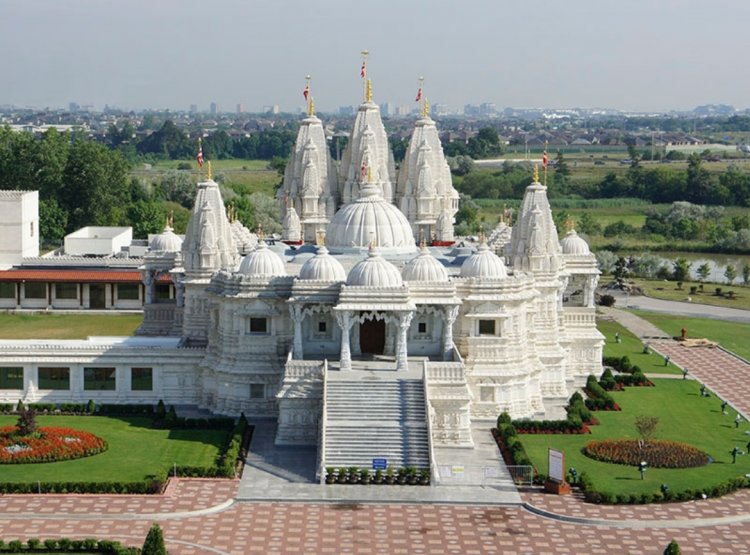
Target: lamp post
{"points": [[642, 468]]}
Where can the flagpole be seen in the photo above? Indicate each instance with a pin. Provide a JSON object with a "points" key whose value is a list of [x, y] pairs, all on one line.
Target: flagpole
{"points": [[421, 92], [546, 163], [363, 72], [308, 78]]}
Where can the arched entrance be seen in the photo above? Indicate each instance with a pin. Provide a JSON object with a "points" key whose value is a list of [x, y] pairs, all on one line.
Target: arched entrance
{"points": [[372, 336]]}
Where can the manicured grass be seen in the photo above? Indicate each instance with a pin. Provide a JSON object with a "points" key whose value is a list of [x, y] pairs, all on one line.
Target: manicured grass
{"points": [[632, 346], [667, 290], [66, 326], [732, 336], [136, 451], [683, 416]]}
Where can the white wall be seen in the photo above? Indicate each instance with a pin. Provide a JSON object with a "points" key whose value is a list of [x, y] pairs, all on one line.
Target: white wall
{"points": [[19, 226]]}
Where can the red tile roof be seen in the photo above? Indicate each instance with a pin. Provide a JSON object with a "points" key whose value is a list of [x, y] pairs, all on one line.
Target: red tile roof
{"points": [[78, 276]]}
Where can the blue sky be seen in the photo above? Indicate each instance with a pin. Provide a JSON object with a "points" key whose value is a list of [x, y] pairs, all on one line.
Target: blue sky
{"points": [[635, 55]]}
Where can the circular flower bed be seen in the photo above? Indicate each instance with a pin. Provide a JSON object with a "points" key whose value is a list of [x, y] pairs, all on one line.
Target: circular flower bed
{"points": [[47, 445], [657, 453]]}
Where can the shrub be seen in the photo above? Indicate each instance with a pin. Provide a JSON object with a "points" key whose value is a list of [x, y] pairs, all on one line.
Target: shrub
{"points": [[504, 418], [91, 406], [50, 544], [607, 300], [607, 380], [598, 399], [673, 549], [154, 543], [33, 543], [161, 410], [15, 546]]}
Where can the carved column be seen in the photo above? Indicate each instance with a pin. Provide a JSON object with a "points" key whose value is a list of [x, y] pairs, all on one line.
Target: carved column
{"points": [[148, 281], [565, 280], [295, 311], [356, 346], [344, 320], [179, 287], [451, 313], [402, 354]]}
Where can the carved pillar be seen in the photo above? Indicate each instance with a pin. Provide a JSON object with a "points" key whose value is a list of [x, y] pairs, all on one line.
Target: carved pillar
{"points": [[295, 311], [591, 282], [148, 281], [344, 320], [404, 321], [356, 346], [451, 313], [179, 287], [565, 280]]}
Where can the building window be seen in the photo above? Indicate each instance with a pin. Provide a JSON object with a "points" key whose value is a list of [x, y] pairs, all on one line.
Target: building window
{"points": [[66, 290], [141, 379], [161, 292], [322, 327], [257, 391], [422, 327], [486, 327], [33, 290], [11, 378], [258, 325], [7, 290], [53, 377], [487, 394], [128, 291], [96, 379]]}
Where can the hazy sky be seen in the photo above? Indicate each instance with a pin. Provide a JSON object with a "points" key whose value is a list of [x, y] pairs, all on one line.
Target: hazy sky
{"points": [[633, 55]]}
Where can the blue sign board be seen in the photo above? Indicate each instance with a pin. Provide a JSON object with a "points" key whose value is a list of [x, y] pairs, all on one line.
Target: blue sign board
{"points": [[379, 464]]}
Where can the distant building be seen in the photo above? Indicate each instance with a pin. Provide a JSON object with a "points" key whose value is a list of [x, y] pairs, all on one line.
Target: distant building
{"points": [[214, 109], [240, 109], [193, 108]]}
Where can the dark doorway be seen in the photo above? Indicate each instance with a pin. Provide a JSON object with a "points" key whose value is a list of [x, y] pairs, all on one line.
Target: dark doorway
{"points": [[97, 295], [372, 337]]}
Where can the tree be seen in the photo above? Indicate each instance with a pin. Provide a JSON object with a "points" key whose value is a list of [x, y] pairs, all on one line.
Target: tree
{"points": [[646, 428], [673, 549], [589, 226], [681, 269], [177, 186], [154, 543], [26, 424], [53, 221], [730, 272], [146, 217], [746, 274], [95, 185], [704, 270]]}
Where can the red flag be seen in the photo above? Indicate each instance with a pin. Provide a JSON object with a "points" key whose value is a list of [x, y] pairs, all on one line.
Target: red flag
{"points": [[306, 91], [200, 154], [362, 171], [363, 71], [419, 95], [545, 160]]}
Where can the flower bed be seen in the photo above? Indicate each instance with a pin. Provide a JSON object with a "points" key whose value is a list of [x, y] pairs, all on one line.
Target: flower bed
{"points": [[657, 453], [47, 445]]}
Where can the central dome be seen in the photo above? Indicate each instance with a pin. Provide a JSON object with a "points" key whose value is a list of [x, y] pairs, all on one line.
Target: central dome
{"points": [[370, 220]]}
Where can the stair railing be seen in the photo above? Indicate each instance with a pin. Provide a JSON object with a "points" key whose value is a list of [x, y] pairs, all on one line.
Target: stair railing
{"points": [[433, 466], [323, 424]]}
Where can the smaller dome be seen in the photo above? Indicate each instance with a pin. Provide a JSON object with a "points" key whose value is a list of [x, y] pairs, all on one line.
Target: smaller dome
{"points": [[574, 244], [374, 271], [484, 264], [166, 241], [424, 267], [322, 267], [262, 262]]}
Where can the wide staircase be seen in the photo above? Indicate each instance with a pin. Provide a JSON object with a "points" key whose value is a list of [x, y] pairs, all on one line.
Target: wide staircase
{"points": [[376, 418]]}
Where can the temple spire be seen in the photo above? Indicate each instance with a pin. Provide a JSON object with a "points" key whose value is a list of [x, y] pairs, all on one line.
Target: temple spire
{"points": [[308, 96]]}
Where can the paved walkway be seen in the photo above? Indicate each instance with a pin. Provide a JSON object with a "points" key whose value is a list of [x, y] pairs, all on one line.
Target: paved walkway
{"points": [[210, 516], [678, 308]]}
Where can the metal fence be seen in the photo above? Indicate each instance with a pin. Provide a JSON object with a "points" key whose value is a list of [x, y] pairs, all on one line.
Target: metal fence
{"points": [[522, 474]]}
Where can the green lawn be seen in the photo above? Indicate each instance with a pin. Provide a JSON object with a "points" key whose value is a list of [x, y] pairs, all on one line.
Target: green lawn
{"points": [[136, 451], [667, 290], [730, 335], [632, 346], [684, 416], [66, 326]]}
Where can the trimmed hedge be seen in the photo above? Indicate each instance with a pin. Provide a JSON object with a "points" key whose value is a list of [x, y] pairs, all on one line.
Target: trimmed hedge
{"points": [[88, 545], [719, 490], [598, 399]]}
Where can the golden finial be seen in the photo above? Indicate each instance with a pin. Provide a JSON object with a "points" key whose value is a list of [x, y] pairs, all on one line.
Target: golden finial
{"points": [[482, 237], [535, 174], [320, 238], [368, 93], [260, 234], [308, 96], [570, 223], [425, 109], [166, 221], [208, 171], [423, 243], [311, 111], [369, 174], [170, 221]]}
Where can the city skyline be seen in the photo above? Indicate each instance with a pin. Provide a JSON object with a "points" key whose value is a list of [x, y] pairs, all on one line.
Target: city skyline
{"points": [[636, 57]]}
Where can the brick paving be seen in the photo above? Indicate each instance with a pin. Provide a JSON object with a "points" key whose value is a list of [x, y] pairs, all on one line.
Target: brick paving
{"points": [[722, 372]]}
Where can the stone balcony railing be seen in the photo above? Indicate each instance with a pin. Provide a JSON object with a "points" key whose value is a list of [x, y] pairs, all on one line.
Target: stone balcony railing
{"points": [[579, 318]]}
